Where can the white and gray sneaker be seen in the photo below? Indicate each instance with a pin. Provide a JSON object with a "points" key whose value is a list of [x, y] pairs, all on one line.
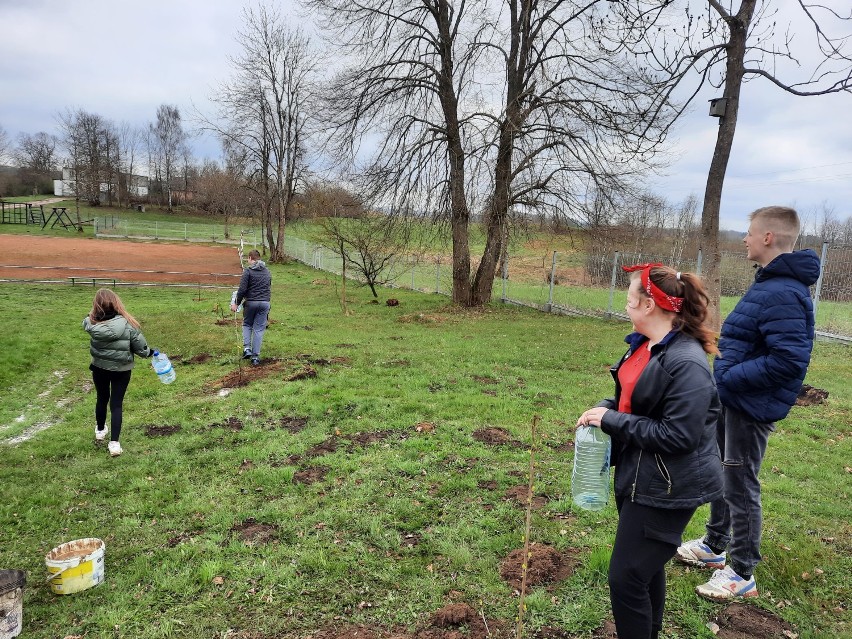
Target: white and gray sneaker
{"points": [[100, 434], [725, 585], [697, 553], [114, 449]]}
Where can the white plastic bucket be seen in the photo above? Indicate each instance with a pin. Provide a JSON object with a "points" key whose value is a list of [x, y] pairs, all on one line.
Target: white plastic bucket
{"points": [[11, 602], [77, 565]]}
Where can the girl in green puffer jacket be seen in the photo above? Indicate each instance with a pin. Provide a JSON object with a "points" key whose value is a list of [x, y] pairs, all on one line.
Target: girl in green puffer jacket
{"points": [[115, 338]]}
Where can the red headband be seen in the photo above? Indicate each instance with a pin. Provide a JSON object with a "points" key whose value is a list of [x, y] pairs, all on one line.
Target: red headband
{"points": [[662, 299]]}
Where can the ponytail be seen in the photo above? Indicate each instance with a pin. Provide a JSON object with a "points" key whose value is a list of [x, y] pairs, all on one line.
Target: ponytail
{"points": [[692, 318]]}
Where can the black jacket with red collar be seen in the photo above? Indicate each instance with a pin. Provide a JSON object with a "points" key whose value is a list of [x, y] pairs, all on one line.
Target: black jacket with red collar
{"points": [[665, 451]]}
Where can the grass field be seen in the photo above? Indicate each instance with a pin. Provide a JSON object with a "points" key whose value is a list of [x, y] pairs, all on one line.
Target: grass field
{"points": [[210, 523]]}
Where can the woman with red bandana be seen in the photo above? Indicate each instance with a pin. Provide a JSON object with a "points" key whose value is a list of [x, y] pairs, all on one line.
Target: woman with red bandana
{"points": [[662, 421]]}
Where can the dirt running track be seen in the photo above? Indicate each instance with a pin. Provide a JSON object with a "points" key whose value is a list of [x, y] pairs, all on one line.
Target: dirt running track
{"points": [[58, 258]]}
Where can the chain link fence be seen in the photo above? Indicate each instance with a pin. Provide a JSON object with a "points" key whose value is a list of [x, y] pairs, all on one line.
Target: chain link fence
{"points": [[595, 285], [114, 227], [582, 284]]}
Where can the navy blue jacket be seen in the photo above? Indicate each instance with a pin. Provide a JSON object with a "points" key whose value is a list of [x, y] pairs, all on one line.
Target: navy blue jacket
{"points": [[665, 450], [767, 339]]}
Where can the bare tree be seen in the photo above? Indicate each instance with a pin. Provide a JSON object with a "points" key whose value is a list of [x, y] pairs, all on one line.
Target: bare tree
{"points": [[830, 226], [130, 140], [726, 45], [482, 106], [370, 246], [5, 146], [222, 191], [92, 146], [37, 152], [264, 110], [168, 140]]}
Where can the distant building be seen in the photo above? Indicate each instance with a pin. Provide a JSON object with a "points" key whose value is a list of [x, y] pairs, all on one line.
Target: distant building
{"points": [[134, 185]]}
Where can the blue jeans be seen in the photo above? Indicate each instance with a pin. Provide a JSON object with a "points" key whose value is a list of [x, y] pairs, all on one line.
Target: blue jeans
{"points": [[736, 520], [255, 315]]}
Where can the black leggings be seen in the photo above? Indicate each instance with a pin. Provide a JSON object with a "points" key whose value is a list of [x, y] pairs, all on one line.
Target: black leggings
{"points": [[111, 386], [646, 539]]}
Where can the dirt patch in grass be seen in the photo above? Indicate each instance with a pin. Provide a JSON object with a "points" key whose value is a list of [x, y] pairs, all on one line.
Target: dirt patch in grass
{"points": [[423, 318], [741, 621], [606, 631], [810, 396], [424, 427], [293, 424], [495, 437], [310, 475], [547, 566], [201, 358], [246, 464], [323, 448], [489, 484], [152, 430], [252, 531], [410, 540], [365, 439], [520, 494], [243, 376], [182, 537], [563, 447], [233, 424], [485, 379]]}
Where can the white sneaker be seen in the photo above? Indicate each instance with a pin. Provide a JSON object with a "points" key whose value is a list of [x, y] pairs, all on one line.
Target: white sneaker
{"points": [[114, 449], [697, 553], [100, 434], [725, 585]]}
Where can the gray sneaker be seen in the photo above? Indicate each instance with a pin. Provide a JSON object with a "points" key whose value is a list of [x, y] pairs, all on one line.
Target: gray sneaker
{"points": [[697, 553]]}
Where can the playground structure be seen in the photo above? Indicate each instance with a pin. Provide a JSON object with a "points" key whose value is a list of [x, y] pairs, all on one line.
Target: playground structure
{"points": [[27, 213]]}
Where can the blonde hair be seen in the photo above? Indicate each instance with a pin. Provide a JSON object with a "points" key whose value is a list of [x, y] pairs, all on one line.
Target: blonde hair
{"points": [[108, 303], [782, 221]]}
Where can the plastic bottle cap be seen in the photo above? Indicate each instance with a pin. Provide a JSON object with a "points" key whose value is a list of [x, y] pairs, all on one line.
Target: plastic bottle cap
{"points": [[156, 353]]}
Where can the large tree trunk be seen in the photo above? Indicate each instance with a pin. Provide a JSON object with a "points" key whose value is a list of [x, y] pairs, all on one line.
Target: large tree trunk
{"points": [[738, 25]]}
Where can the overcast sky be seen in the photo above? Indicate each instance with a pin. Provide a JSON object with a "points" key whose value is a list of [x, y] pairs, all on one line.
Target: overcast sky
{"points": [[122, 60]]}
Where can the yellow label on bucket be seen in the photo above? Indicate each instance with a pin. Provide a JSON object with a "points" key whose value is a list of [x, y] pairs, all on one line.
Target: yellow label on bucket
{"points": [[83, 569]]}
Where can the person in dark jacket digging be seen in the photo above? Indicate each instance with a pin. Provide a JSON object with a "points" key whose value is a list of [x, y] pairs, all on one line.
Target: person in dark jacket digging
{"points": [[115, 337], [765, 347], [255, 294], [662, 422]]}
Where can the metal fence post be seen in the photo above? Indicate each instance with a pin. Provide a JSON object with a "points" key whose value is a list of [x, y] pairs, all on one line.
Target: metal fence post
{"points": [[413, 267], [438, 276], [612, 284], [549, 306], [698, 262], [819, 281]]}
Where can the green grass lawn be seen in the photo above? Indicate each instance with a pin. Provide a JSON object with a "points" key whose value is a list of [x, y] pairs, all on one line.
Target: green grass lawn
{"points": [[340, 550]]}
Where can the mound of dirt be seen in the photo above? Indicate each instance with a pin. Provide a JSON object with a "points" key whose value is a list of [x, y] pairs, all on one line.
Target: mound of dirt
{"points": [[232, 424], [328, 446], [546, 566], [495, 437], [293, 424], [365, 439], [252, 531], [741, 621], [201, 358], [520, 494], [152, 430], [310, 475], [810, 396]]}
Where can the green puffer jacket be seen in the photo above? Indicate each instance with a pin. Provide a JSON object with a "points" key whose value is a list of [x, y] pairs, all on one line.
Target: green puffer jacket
{"points": [[113, 343]]}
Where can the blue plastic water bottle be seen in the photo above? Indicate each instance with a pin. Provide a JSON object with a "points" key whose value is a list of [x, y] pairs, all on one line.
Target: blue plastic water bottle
{"points": [[590, 478], [163, 367]]}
